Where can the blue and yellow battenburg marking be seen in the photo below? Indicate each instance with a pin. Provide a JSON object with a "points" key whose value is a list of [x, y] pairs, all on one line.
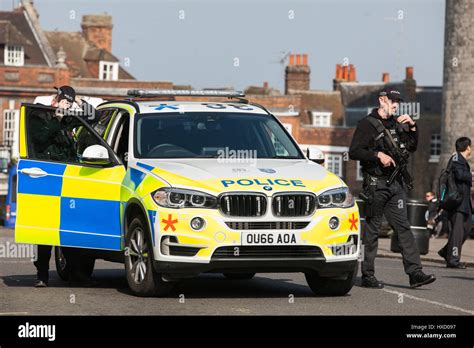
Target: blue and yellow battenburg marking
{"points": [[67, 206]]}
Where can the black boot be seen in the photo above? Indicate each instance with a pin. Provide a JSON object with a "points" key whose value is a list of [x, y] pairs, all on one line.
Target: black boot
{"points": [[443, 254], [419, 278], [371, 282]]}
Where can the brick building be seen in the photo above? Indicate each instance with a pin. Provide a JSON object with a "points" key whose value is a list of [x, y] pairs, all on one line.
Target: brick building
{"points": [[34, 61], [327, 119]]}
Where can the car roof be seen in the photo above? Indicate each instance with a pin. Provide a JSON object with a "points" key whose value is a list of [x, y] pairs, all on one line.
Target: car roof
{"points": [[201, 106]]}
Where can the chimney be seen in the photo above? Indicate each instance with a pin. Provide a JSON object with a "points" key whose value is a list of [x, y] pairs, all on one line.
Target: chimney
{"points": [[409, 73], [97, 29], [265, 85], [297, 73], [410, 84], [385, 77]]}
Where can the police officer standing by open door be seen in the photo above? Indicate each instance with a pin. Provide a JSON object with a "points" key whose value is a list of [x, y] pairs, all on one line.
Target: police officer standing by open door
{"points": [[382, 143]]}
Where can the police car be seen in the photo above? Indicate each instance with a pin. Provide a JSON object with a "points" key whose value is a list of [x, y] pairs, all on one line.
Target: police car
{"points": [[174, 189]]}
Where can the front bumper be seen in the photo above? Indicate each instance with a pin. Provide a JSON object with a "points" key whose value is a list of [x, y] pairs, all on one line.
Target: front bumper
{"points": [[191, 269]]}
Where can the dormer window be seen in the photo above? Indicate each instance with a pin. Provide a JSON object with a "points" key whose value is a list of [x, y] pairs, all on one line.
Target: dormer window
{"points": [[14, 55], [108, 70], [321, 119]]}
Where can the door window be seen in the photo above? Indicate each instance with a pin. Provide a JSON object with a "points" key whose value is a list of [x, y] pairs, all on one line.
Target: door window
{"points": [[56, 138]]}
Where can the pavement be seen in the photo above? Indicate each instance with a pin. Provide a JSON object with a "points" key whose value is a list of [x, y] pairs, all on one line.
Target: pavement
{"points": [[467, 253], [212, 294]]}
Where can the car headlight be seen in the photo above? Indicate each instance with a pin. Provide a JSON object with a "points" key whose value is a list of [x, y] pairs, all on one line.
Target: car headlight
{"points": [[182, 198], [336, 198]]}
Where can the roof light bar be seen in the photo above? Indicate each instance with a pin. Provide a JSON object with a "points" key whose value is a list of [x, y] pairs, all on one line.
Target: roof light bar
{"points": [[149, 93]]}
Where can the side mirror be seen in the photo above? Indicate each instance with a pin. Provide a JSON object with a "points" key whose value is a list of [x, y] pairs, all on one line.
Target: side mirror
{"points": [[316, 155], [95, 154]]}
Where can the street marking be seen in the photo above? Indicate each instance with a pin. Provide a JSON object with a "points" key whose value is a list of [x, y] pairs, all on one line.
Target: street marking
{"points": [[429, 301]]}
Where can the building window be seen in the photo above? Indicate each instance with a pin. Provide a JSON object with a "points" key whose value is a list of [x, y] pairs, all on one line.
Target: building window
{"points": [[9, 119], [14, 55], [321, 119], [435, 147], [334, 164], [108, 71], [360, 176]]}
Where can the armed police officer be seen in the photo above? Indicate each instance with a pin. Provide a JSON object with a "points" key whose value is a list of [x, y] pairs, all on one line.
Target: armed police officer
{"points": [[51, 134], [382, 143]]}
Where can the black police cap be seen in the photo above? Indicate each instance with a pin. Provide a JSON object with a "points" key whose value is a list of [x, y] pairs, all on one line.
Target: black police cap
{"points": [[391, 93]]}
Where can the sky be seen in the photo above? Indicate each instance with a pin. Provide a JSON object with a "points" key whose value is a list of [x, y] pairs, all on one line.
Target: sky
{"points": [[237, 43]]}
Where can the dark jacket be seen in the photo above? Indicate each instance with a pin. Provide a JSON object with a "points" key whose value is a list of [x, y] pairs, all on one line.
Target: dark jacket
{"points": [[364, 147], [52, 138], [463, 178]]}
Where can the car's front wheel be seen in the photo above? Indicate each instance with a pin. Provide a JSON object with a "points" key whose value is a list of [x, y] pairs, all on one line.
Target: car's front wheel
{"points": [[331, 286], [87, 264], [141, 277]]}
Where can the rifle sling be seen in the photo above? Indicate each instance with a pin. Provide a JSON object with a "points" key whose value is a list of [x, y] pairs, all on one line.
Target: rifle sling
{"points": [[382, 130]]}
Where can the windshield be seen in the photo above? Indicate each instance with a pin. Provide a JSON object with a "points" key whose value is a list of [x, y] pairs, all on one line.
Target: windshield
{"points": [[211, 135]]}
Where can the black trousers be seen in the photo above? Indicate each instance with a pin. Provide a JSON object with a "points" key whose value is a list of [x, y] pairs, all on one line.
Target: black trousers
{"points": [[42, 262], [73, 261], [391, 202], [460, 228]]}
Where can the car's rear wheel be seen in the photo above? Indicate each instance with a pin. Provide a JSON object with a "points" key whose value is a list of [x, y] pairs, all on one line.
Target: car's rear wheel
{"points": [[87, 265], [141, 276], [239, 276], [331, 286]]}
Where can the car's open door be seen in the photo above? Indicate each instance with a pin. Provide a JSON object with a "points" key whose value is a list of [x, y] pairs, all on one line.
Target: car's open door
{"points": [[68, 201]]}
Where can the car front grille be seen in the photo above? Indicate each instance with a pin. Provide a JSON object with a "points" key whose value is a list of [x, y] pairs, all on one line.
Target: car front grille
{"points": [[293, 204], [267, 252], [267, 225], [244, 205]]}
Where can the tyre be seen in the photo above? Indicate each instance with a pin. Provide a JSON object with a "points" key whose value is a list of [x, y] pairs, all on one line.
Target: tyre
{"points": [[87, 265], [239, 276], [141, 277], [331, 286]]}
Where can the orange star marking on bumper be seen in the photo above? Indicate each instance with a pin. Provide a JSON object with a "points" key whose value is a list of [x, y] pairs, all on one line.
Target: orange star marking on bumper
{"points": [[353, 222], [170, 223]]}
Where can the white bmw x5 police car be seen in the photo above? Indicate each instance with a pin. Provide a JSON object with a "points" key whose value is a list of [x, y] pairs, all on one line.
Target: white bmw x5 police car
{"points": [[174, 189]]}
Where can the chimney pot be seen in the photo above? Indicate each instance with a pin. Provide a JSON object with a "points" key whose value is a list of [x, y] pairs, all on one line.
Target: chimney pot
{"points": [[352, 73], [409, 73], [292, 59], [338, 72], [305, 59], [345, 73], [298, 59], [385, 77], [265, 85]]}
